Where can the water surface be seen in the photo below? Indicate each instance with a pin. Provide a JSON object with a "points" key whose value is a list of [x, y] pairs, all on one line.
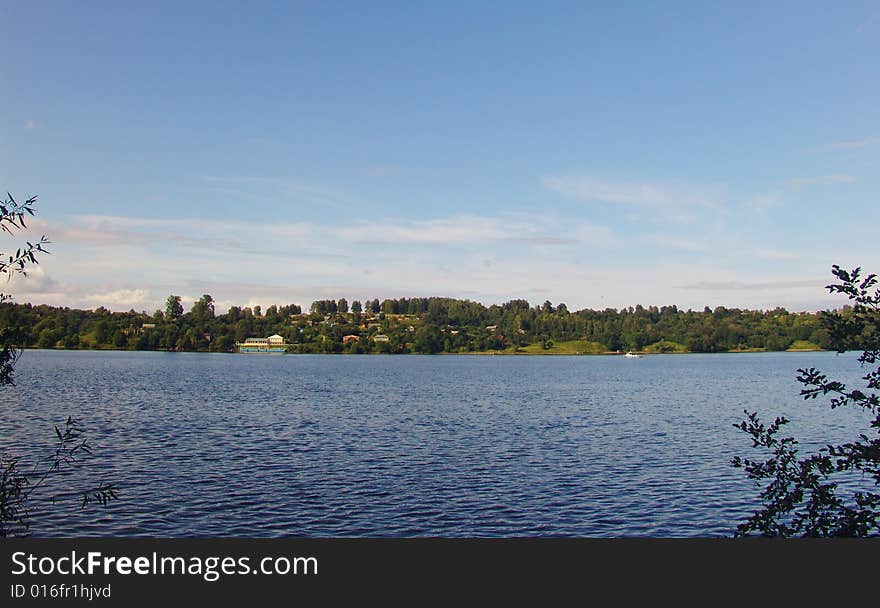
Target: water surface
{"points": [[323, 445]]}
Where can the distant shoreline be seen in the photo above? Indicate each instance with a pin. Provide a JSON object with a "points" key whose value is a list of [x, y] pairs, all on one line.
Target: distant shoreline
{"points": [[419, 325], [470, 353], [639, 353]]}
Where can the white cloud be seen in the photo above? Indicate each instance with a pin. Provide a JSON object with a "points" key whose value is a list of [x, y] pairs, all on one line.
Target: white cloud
{"points": [[131, 262], [594, 233], [439, 231], [781, 284], [454, 230], [796, 183], [271, 262], [675, 194], [761, 203], [270, 190], [119, 299], [775, 254], [854, 143], [214, 233], [35, 281], [37, 287], [682, 244], [32, 124]]}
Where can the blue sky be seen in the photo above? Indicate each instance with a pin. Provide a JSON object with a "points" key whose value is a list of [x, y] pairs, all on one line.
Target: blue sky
{"points": [[598, 154]]}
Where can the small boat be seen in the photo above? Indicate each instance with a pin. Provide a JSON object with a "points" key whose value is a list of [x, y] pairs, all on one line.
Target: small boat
{"points": [[631, 355]]}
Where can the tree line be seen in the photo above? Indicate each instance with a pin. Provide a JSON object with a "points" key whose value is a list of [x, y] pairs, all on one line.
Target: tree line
{"points": [[414, 325]]}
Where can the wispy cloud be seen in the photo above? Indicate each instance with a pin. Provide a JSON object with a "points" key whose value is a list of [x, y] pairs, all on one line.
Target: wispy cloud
{"points": [[775, 254], [754, 286], [453, 230], [214, 234], [119, 298], [761, 203], [796, 183], [638, 193], [854, 143], [135, 262], [31, 124], [664, 241], [461, 229], [36, 281], [38, 287], [107, 230], [275, 189]]}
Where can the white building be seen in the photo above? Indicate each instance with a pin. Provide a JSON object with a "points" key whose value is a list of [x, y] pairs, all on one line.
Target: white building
{"points": [[272, 344]]}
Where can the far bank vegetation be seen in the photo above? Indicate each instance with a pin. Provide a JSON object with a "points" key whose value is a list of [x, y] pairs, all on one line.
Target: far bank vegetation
{"points": [[419, 325]]}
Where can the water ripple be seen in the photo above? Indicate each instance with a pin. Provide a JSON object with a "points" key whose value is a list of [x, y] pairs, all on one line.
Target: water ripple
{"points": [[225, 445]]}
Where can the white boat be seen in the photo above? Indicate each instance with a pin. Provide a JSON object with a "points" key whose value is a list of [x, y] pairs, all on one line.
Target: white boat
{"points": [[631, 355]]}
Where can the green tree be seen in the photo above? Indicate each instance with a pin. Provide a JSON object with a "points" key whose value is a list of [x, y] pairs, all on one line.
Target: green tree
{"points": [[428, 340], [803, 495], [119, 339], [47, 338], [203, 309], [342, 305], [356, 306], [173, 308], [462, 322], [272, 314]]}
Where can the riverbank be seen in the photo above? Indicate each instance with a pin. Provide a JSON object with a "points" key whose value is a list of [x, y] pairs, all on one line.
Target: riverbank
{"points": [[450, 326], [527, 351], [581, 347], [640, 353]]}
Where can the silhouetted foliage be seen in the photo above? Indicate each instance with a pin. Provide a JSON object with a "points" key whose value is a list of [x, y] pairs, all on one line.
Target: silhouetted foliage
{"points": [[18, 484], [803, 495], [12, 218]]}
